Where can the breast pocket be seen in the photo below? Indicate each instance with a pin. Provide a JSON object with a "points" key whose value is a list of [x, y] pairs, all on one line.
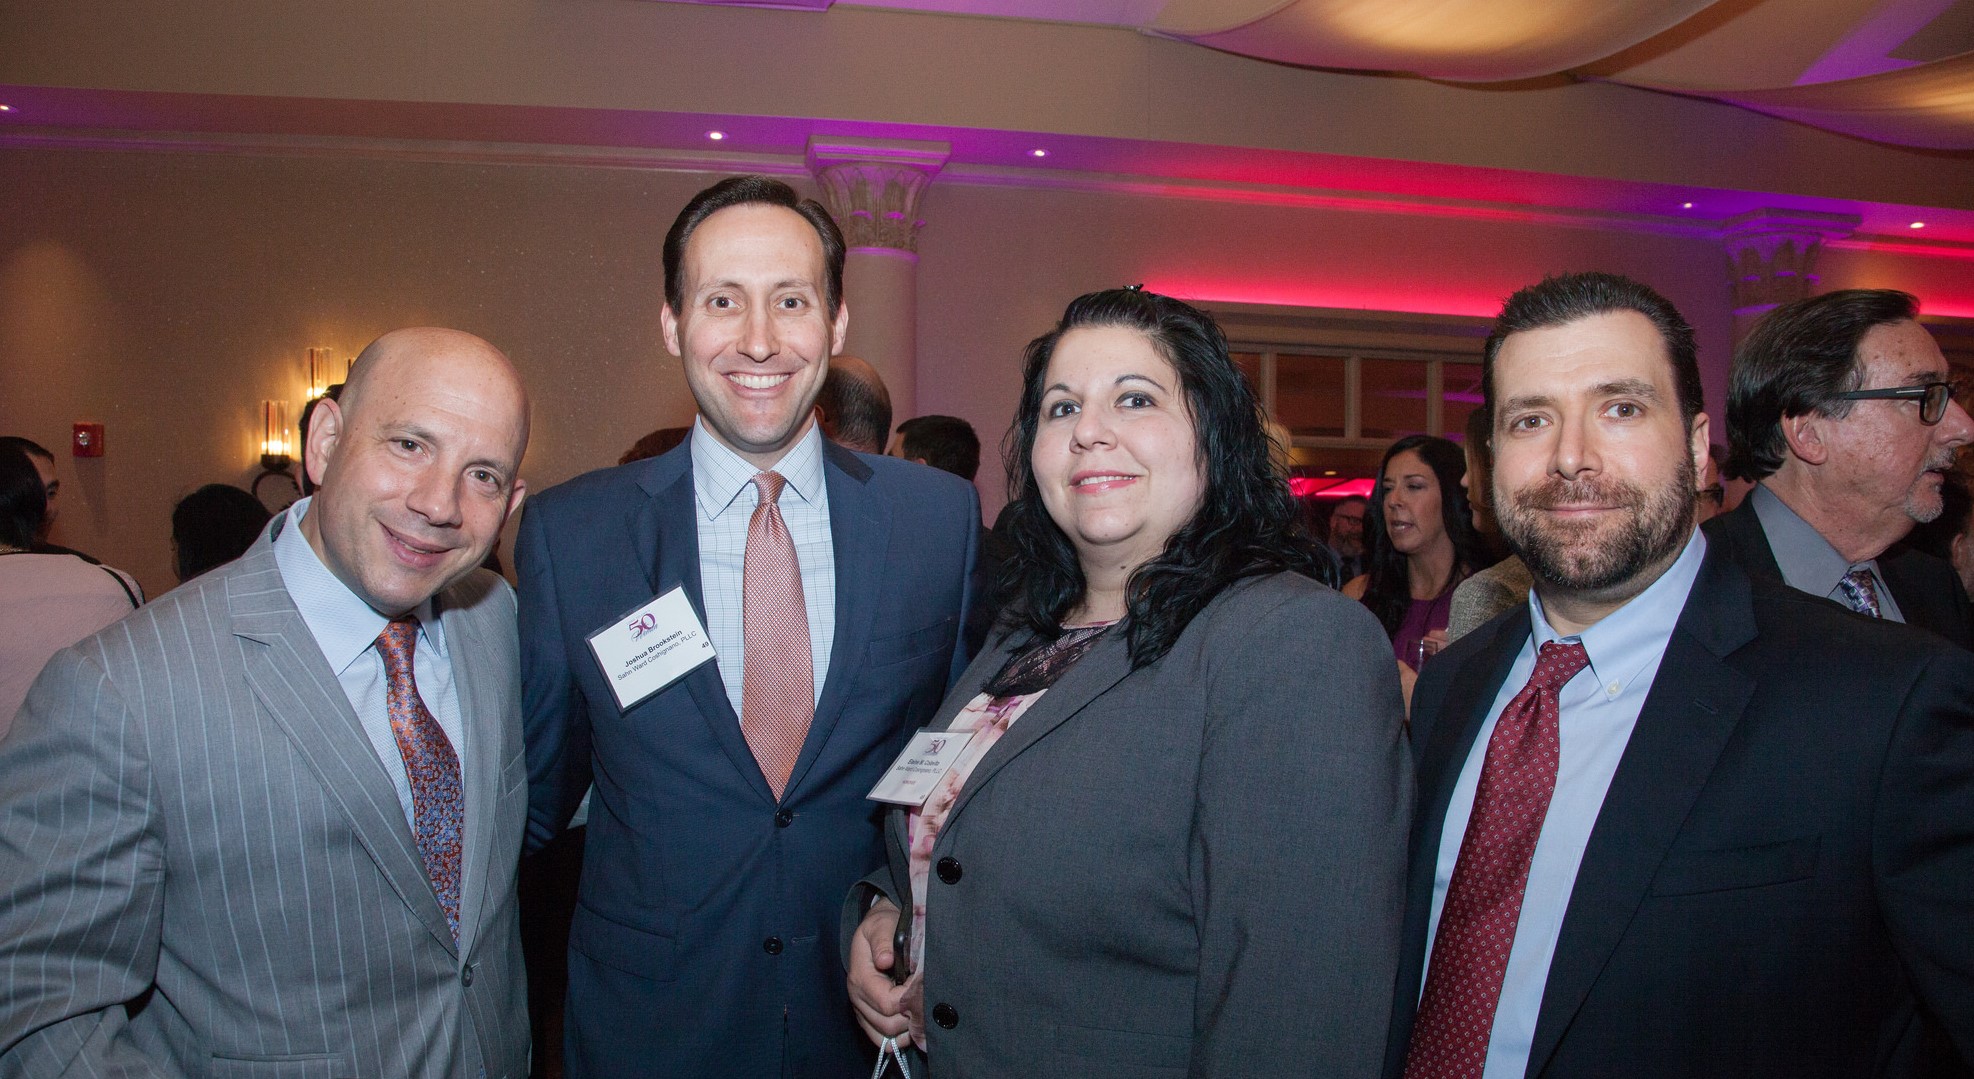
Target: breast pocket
{"points": [[914, 644], [297, 1066], [1696, 872]]}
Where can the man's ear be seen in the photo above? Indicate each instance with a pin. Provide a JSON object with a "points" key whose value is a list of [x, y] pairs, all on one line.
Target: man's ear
{"points": [[839, 328], [325, 433], [1700, 444], [515, 498], [1804, 435], [668, 325]]}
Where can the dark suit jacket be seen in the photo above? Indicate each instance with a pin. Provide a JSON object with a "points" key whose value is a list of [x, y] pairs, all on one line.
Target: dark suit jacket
{"points": [[1928, 591], [1781, 879], [703, 938], [1190, 869]]}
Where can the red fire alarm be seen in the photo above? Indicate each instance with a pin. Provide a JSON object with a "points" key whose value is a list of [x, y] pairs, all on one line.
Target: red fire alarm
{"points": [[88, 440]]}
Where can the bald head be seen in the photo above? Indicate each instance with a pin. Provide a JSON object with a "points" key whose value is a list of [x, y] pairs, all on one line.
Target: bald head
{"points": [[854, 406], [417, 465]]}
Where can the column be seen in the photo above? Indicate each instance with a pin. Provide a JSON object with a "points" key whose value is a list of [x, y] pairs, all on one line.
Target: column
{"points": [[1771, 258], [873, 187]]}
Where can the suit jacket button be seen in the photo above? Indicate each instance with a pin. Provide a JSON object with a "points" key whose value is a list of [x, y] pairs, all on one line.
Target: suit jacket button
{"points": [[949, 870], [784, 818], [946, 1015], [466, 974], [772, 945]]}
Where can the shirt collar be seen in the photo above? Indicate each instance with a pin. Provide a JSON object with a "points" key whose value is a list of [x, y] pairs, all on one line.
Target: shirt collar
{"points": [[1808, 562], [1628, 641], [343, 625], [720, 476]]}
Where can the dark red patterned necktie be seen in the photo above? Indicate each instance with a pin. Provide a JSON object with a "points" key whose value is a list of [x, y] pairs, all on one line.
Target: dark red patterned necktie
{"points": [[1484, 900], [438, 802]]}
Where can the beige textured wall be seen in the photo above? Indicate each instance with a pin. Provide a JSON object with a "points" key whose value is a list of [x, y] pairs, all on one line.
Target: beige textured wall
{"points": [[167, 294]]}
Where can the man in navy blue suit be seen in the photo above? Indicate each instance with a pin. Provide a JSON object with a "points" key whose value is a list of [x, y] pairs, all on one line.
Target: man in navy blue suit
{"points": [[729, 817]]}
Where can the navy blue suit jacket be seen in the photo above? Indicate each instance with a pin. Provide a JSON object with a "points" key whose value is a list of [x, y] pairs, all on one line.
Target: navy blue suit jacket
{"points": [[1780, 882], [703, 938]]}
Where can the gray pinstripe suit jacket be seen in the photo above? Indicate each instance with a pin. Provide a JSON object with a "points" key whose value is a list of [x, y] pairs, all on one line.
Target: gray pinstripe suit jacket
{"points": [[193, 822]]}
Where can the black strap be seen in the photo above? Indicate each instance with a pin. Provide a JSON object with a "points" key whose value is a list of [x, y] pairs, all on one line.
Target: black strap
{"points": [[123, 584]]}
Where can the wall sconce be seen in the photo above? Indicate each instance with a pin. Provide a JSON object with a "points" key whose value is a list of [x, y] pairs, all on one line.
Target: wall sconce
{"points": [[320, 377], [276, 451]]}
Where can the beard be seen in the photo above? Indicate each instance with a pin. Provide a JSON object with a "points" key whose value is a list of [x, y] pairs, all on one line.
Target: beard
{"points": [[1598, 556]]}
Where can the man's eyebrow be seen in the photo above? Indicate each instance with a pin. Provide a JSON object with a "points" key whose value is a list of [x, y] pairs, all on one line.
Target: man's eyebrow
{"points": [[1527, 400], [1633, 387]]}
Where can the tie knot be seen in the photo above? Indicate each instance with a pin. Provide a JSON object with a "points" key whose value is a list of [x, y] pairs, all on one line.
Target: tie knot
{"points": [[1557, 663], [396, 643], [769, 484]]}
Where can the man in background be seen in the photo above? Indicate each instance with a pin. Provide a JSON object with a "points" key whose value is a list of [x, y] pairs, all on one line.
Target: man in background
{"points": [[1347, 535], [268, 824], [854, 408], [948, 444], [1842, 406], [44, 464]]}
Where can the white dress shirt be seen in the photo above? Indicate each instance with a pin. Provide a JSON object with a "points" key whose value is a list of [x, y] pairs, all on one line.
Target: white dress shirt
{"points": [[1599, 708], [345, 628], [723, 486]]}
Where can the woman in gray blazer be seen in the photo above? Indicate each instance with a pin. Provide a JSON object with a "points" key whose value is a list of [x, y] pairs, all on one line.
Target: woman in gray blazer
{"points": [[1172, 840]]}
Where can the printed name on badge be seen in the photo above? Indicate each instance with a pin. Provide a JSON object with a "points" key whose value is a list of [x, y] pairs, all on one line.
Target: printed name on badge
{"points": [[651, 647], [926, 760]]}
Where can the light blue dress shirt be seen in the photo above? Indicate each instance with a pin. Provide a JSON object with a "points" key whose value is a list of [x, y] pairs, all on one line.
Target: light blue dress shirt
{"points": [[1599, 708], [1807, 561], [345, 628], [724, 492]]}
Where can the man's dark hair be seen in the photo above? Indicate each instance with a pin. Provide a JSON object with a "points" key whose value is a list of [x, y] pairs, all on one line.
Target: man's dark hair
{"points": [[26, 445], [213, 526], [1799, 357], [23, 501], [1565, 298], [946, 443], [741, 191], [858, 410]]}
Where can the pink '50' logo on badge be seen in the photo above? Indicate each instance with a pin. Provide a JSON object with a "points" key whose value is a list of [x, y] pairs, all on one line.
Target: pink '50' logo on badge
{"points": [[935, 745], [642, 625]]}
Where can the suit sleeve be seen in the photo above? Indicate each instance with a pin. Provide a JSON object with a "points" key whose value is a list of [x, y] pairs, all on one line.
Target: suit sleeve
{"points": [[554, 721], [1924, 842], [1299, 843], [969, 595], [81, 878]]}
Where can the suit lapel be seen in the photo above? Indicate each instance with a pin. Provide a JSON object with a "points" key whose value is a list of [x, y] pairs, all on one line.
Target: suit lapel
{"points": [[1106, 664], [665, 535], [287, 673], [860, 534], [1694, 704], [481, 704]]}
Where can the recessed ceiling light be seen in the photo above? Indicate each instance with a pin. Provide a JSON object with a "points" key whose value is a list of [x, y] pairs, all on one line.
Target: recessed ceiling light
{"points": [[1038, 153], [1917, 225], [1686, 206], [716, 135], [1330, 472], [6, 108]]}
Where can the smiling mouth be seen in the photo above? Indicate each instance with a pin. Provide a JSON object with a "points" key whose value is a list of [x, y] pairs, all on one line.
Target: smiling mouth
{"points": [[758, 382], [416, 554], [1101, 479]]}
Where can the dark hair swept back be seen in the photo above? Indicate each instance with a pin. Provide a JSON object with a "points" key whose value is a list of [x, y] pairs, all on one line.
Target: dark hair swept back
{"points": [[1565, 298], [23, 501], [1247, 523], [1796, 361], [741, 191]]}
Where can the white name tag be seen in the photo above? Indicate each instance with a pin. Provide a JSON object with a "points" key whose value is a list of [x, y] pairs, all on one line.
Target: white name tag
{"points": [[651, 647], [926, 760]]}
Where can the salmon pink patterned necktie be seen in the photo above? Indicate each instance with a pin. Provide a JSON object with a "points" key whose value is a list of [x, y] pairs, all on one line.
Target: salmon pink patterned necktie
{"points": [[438, 803], [1484, 899], [777, 688]]}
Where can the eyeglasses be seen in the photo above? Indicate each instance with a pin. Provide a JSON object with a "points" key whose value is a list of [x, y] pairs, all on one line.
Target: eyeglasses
{"points": [[1932, 398], [1715, 494]]}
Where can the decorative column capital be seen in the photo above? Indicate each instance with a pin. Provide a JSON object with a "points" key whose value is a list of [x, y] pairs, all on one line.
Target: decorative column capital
{"points": [[1771, 254], [873, 186]]}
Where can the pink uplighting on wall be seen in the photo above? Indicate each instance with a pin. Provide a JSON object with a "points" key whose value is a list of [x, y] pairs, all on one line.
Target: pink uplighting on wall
{"points": [[1443, 300], [1311, 487]]}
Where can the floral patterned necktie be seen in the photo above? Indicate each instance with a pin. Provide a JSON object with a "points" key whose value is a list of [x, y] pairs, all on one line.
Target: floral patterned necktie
{"points": [[438, 802]]}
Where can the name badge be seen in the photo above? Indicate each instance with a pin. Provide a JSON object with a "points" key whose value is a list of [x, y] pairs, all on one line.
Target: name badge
{"points": [[917, 771], [651, 647]]}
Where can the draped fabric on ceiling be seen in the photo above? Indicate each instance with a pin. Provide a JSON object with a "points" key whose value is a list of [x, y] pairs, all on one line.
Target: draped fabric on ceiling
{"points": [[1897, 71]]}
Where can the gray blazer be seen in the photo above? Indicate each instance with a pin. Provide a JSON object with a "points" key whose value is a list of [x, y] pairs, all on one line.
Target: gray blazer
{"points": [[205, 870], [1191, 869]]}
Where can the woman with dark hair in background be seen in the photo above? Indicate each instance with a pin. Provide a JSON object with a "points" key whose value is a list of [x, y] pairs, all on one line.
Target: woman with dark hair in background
{"points": [[1422, 542], [47, 601], [213, 526], [1172, 839]]}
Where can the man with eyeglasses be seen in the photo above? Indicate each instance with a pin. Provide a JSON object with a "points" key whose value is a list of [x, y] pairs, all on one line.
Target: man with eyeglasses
{"points": [[1842, 406]]}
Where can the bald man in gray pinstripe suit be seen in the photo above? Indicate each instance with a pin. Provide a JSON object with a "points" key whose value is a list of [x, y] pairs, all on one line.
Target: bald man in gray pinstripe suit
{"points": [[249, 830]]}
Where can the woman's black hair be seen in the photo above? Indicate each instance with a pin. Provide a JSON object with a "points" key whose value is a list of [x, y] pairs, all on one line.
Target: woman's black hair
{"points": [[1247, 523], [213, 526], [1389, 591], [23, 501]]}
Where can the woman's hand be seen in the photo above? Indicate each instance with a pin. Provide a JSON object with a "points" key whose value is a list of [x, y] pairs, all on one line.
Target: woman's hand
{"points": [[880, 1005]]}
